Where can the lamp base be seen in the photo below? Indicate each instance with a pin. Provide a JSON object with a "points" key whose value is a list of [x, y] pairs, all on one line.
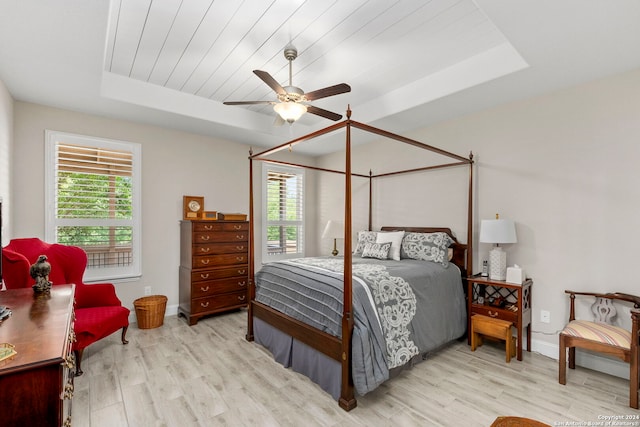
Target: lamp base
{"points": [[497, 264]]}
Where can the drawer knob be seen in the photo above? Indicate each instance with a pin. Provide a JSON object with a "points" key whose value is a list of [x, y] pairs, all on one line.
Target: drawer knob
{"points": [[240, 236], [239, 248], [205, 237], [204, 289], [237, 227], [239, 258], [204, 275], [208, 227], [204, 261], [493, 314], [241, 271], [243, 283], [204, 304], [205, 250], [242, 297]]}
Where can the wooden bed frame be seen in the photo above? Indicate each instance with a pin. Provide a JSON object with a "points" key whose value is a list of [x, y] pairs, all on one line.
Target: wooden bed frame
{"points": [[334, 347]]}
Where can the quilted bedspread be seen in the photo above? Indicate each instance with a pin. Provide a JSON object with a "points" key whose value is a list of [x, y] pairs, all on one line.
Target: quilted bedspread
{"points": [[401, 308]]}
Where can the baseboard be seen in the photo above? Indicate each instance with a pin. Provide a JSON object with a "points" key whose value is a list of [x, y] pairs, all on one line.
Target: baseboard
{"points": [[585, 359]]}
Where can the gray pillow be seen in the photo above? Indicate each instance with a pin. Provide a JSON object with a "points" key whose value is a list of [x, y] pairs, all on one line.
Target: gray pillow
{"points": [[376, 250], [364, 237], [427, 247]]}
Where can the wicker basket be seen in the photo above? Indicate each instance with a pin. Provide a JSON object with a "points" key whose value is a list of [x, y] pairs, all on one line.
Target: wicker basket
{"points": [[150, 311]]}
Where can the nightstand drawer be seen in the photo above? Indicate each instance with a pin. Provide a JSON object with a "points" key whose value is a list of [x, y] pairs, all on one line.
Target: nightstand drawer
{"points": [[495, 312]]}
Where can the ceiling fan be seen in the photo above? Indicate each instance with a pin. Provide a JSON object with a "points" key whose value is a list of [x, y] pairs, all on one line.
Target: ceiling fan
{"points": [[292, 101]]}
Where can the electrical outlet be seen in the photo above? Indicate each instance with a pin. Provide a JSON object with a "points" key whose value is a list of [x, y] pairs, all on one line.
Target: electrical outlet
{"points": [[147, 290], [545, 316]]}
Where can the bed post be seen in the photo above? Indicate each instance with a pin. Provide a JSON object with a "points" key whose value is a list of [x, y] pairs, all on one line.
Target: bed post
{"points": [[347, 399], [470, 219], [251, 290], [370, 200]]}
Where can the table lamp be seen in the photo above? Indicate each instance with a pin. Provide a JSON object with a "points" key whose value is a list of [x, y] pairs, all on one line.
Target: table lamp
{"points": [[333, 230], [497, 231]]}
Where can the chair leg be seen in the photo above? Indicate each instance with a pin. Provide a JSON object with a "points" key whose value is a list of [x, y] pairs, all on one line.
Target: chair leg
{"points": [[78, 354], [562, 362], [124, 335], [572, 358], [634, 380]]}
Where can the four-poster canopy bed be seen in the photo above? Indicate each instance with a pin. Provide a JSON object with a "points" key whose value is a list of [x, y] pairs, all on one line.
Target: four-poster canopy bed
{"points": [[324, 348]]}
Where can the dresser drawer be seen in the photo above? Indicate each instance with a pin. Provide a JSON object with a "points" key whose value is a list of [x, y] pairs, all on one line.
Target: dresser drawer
{"points": [[219, 260], [220, 226], [220, 236], [220, 273], [497, 313], [216, 287], [218, 302], [219, 248]]}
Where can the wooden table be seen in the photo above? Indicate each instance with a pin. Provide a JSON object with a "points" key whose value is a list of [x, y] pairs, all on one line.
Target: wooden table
{"points": [[501, 300], [36, 385]]}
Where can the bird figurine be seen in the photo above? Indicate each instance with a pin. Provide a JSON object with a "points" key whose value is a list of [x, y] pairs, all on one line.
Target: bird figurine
{"points": [[40, 272]]}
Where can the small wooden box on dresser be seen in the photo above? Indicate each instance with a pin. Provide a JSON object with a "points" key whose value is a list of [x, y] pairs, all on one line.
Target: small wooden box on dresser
{"points": [[214, 267], [36, 385]]}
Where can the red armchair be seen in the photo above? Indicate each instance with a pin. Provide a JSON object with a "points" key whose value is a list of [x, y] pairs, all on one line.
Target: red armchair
{"points": [[98, 311]]}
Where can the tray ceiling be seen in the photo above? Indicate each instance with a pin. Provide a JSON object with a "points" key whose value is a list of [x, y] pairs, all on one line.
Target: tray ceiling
{"points": [[409, 62]]}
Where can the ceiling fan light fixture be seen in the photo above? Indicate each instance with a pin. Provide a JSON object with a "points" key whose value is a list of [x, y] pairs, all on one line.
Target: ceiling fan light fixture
{"points": [[290, 111]]}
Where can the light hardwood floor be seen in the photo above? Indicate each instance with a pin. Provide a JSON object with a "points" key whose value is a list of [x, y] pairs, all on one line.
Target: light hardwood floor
{"points": [[209, 375]]}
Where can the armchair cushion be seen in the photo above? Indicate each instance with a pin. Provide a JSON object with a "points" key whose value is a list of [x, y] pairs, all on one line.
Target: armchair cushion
{"points": [[599, 332]]}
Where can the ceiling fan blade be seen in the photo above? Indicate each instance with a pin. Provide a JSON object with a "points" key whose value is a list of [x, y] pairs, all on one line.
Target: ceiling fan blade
{"points": [[273, 84], [328, 91], [247, 102], [323, 113]]}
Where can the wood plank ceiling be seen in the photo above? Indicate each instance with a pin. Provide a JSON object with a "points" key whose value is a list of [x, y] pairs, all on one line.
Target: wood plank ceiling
{"points": [[209, 48]]}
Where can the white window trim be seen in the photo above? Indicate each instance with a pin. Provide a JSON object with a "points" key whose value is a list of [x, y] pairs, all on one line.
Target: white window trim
{"points": [[132, 271], [266, 167]]}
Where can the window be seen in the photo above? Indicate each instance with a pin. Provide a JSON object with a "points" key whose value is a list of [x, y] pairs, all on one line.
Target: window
{"points": [[283, 207], [93, 201]]}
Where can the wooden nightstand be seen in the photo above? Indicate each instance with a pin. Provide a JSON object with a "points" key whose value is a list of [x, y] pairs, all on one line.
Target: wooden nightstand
{"points": [[502, 300]]}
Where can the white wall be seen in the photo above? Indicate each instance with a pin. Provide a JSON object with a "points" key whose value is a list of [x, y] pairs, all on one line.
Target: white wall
{"points": [[6, 143], [564, 166], [173, 164]]}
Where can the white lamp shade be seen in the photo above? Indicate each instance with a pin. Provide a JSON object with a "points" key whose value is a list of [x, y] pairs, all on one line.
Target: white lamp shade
{"points": [[290, 110], [498, 231], [333, 230]]}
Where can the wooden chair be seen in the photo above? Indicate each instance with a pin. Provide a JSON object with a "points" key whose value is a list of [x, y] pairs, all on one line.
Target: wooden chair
{"points": [[600, 335]]}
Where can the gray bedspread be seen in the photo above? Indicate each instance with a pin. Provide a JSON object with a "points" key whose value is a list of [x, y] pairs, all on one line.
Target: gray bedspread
{"points": [[401, 308]]}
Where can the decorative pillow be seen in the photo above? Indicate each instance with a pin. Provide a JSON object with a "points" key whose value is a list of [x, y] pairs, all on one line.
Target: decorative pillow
{"points": [[376, 250], [364, 237], [395, 237], [427, 247]]}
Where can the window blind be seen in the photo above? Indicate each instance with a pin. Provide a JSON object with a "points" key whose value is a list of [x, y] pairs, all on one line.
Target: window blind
{"points": [[93, 192], [284, 212]]}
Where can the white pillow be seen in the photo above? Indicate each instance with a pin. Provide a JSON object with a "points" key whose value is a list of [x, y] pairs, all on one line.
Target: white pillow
{"points": [[395, 237]]}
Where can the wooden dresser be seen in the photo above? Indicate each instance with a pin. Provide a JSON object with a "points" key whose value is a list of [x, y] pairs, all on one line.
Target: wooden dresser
{"points": [[214, 267], [36, 385]]}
